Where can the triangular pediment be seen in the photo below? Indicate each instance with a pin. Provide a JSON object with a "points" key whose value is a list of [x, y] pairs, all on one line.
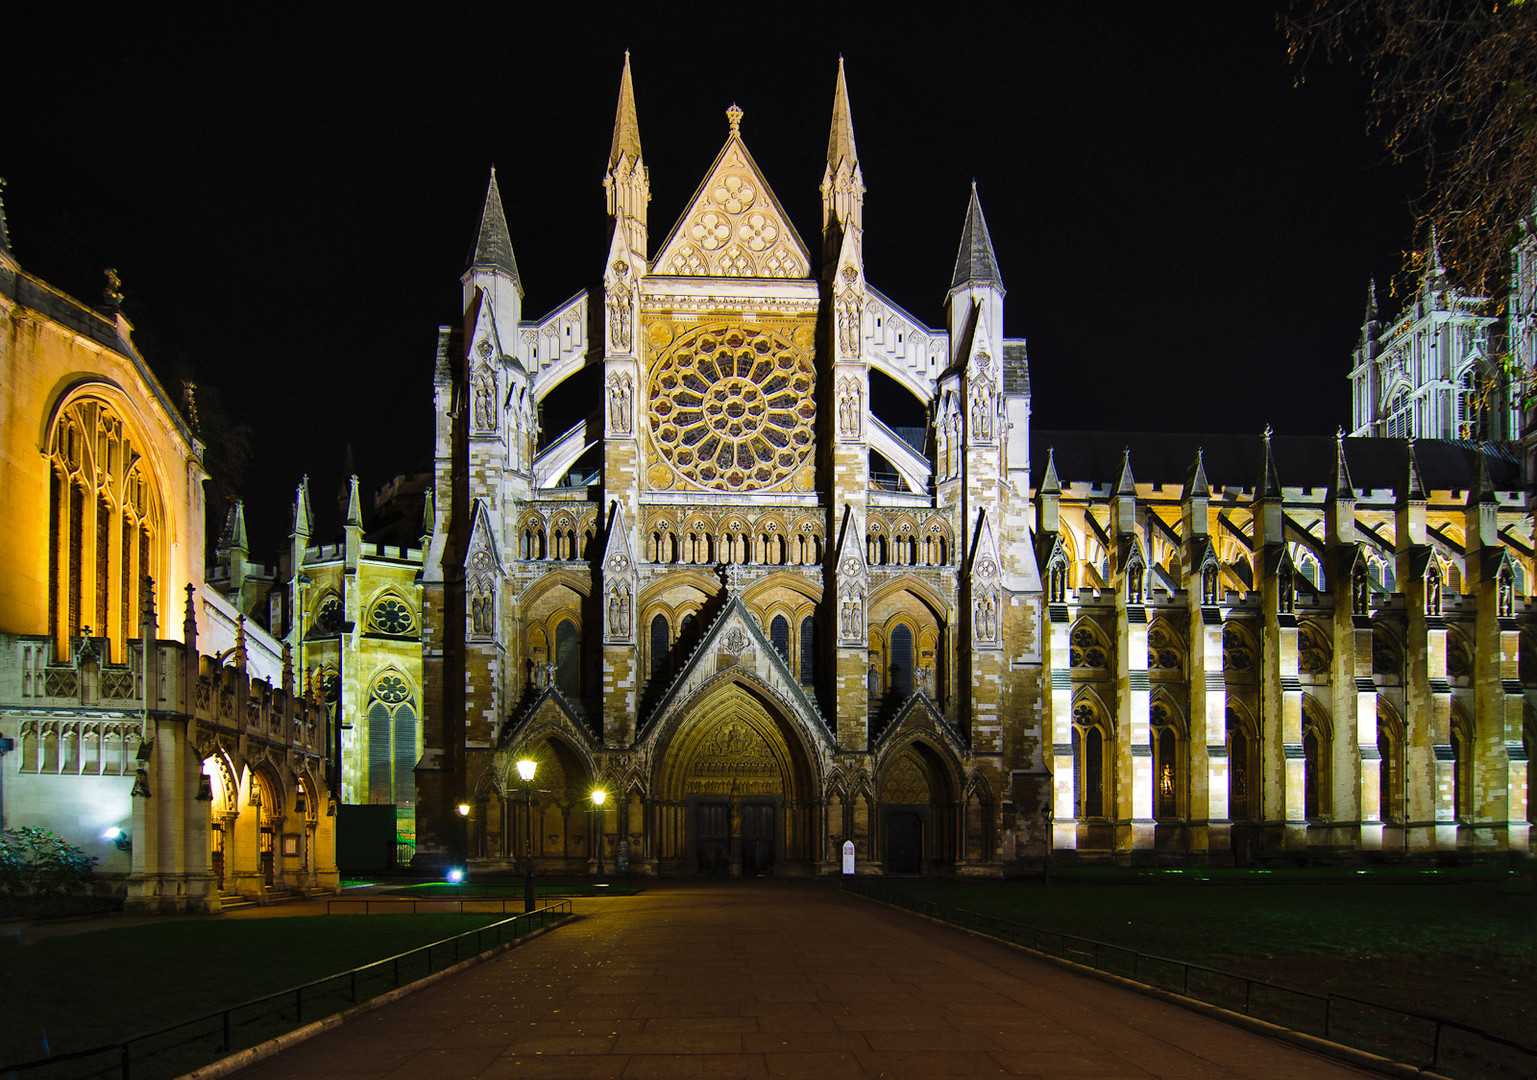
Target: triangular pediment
{"points": [[734, 226], [734, 644]]}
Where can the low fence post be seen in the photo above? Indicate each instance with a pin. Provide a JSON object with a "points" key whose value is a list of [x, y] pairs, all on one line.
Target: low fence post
{"points": [[125, 1061]]}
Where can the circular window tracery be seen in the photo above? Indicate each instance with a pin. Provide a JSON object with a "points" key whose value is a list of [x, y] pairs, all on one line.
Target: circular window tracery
{"points": [[732, 408]]}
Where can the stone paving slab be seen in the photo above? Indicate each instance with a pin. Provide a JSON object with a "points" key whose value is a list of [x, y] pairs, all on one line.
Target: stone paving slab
{"points": [[777, 979]]}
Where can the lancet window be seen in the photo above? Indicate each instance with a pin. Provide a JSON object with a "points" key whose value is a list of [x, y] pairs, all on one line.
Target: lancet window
{"points": [[391, 741]]}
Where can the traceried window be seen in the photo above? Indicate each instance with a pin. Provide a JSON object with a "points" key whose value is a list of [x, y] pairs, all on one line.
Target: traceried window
{"points": [[731, 409], [391, 741], [779, 636], [106, 529], [660, 651], [902, 659], [808, 672], [1399, 416], [391, 616], [329, 615]]}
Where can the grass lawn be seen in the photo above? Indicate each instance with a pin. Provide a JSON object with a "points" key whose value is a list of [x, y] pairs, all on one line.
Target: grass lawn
{"points": [[83, 990], [1452, 944]]}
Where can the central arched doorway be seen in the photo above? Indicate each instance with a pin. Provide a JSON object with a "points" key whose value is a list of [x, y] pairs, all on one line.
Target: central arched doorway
{"points": [[734, 794]]}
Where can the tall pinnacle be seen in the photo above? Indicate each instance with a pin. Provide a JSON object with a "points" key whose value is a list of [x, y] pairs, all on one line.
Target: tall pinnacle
{"points": [[975, 263], [493, 244], [626, 127], [840, 141]]}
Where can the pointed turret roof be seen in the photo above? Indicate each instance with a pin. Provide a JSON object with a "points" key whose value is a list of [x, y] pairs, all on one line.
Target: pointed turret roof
{"points": [[303, 521], [1341, 488], [1196, 485], [1050, 484], [5, 236], [354, 503], [975, 263], [1127, 484], [840, 141], [1413, 484], [233, 537], [493, 244], [626, 127], [1269, 482]]}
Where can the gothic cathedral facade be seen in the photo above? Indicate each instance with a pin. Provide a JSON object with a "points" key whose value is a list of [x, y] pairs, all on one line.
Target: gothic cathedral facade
{"points": [[768, 623]]}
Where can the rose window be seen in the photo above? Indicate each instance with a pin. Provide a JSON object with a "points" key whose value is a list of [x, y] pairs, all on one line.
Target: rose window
{"points": [[732, 408]]}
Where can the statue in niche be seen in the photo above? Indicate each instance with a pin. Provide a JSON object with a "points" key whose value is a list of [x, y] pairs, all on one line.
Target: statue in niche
{"points": [[849, 399], [851, 615], [620, 390], [619, 611], [1507, 593], [619, 314], [982, 413], [1360, 590], [484, 404], [987, 617], [1209, 584], [1134, 574], [482, 611], [850, 308], [1433, 589]]}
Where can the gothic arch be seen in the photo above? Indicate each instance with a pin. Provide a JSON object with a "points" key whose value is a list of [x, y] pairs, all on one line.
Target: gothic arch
{"points": [[1318, 760], [580, 583], [1171, 776], [1391, 746]]}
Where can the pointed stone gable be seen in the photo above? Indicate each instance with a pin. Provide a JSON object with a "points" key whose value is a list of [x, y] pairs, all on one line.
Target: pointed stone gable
{"points": [[986, 595], [618, 583], [853, 581], [734, 226], [734, 644], [483, 537]]}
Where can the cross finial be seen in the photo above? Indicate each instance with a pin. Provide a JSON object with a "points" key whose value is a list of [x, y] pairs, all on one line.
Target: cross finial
{"points": [[734, 116]]}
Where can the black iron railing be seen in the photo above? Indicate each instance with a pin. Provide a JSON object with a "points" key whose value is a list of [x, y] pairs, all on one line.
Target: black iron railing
{"points": [[1428, 1042], [181, 1047]]}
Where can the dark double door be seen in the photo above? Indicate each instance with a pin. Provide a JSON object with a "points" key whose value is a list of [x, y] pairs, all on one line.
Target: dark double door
{"points": [[712, 838]]}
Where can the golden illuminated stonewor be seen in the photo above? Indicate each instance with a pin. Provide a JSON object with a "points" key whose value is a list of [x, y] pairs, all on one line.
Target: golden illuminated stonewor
{"points": [[731, 408]]}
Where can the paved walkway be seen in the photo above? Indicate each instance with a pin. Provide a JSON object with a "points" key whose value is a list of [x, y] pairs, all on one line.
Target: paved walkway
{"points": [[778, 980]]}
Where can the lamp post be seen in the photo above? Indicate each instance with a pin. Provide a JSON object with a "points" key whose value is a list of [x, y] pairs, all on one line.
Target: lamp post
{"points": [[598, 796], [526, 769]]}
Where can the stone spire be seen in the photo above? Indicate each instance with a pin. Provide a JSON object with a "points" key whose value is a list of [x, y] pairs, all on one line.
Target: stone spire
{"points": [[626, 127], [1370, 325], [1341, 487], [354, 503], [843, 182], [303, 522], [233, 538], [626, 183], [493, 244], [840, 141], [1196, 484], [1050, 484], [975, 263], [1269, 481]]}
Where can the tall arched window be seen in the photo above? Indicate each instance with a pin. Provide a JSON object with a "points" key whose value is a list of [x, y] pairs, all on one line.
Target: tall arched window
{"points": [[1390, 767], [1241, 768], [1165, 775], [1467, 404], [1316, 772], [808, 650], [779, 636], [391, 741], [568, 659], [1090, 797], [902, 659], [1462, 768], [660, 651], [105, 525]]}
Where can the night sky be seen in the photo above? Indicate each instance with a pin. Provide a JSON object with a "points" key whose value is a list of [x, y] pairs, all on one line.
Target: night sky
{"points": [[1185, 236]]}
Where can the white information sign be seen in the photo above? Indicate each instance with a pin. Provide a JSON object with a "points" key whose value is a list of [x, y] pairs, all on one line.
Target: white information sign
{"points": [[848, 856]]}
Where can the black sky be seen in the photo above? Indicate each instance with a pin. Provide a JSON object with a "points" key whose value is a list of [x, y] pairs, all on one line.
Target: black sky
{"points": [[290, 198]]}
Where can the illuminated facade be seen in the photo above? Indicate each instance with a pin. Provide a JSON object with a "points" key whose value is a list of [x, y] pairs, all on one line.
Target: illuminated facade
{"points": [[768, 621], [208, 766]]}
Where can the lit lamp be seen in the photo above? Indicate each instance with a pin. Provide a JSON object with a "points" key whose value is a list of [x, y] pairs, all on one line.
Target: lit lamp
{"points": [[456, 874], [526, 769], [598, 796]]}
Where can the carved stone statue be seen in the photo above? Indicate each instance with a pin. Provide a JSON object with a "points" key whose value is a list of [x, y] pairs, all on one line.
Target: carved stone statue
{"points": [[620, 391]]}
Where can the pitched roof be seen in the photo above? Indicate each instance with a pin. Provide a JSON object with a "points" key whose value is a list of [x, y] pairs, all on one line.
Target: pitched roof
{"points": [[975, 263], [493, 244], [1016, 368]]}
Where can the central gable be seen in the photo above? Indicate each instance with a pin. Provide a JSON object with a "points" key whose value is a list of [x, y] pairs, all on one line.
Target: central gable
{"points": [[734, 226]]}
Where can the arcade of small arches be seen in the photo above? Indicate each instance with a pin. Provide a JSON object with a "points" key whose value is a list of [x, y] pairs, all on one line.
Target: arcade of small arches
{"points": [[263, 823], [561, 532]]}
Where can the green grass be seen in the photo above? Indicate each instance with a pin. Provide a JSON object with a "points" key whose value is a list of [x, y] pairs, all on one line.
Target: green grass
{"points": [[84, 990], [1456, 945]]}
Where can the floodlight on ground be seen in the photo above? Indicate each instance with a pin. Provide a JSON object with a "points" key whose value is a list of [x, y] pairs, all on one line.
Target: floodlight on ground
{"points": [[455, 875]]}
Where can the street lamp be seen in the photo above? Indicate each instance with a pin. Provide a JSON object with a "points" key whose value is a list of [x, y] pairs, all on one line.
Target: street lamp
{"points": [[598, 796], [526, 769]]}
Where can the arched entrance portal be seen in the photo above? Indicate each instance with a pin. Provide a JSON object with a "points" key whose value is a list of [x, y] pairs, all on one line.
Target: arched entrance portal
{"points": [[734, 791], [919, 817]]}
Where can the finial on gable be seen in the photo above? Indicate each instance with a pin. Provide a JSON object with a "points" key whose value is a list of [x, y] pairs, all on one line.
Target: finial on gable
{"points": [[734, 117]]}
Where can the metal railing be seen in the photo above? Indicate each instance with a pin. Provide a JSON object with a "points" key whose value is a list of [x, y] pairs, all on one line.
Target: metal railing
{"points": [[441, 905], [1427, 1042], [184, 1046]]}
